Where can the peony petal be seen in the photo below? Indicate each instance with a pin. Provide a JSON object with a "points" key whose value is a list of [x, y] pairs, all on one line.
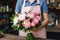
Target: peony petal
{"points": [[33, 23], [35, 20], [26, 23], [22, 17], [35, 14], [38, 17], [15, 20]]}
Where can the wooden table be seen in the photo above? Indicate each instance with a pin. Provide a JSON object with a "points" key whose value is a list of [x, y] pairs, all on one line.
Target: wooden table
{"points": [[15, 37]]}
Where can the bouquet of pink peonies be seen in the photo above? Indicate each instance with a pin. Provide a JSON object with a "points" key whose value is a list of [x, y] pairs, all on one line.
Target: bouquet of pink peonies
{"points": [[27, 22]]}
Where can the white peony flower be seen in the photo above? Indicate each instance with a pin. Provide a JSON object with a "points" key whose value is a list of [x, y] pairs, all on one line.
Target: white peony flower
{"points": [[22, 17], [15, 20]]}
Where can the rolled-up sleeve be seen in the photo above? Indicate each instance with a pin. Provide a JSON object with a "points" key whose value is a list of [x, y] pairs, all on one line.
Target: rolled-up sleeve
{"points": [[18, 6], [44, 6]]}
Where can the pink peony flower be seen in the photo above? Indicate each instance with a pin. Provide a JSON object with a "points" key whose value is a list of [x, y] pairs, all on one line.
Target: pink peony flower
{"points": [[15, 20], [31, 15], [35, 14], [33, 23], [38, 18], [26, 24], [22, 17], [35, 20]]}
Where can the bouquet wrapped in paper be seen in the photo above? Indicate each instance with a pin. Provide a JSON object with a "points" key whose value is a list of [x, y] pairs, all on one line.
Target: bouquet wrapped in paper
{"points": [[27, 22]]}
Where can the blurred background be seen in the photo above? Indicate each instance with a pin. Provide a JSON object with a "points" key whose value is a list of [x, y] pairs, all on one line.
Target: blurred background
{"points": [[7, 8]]}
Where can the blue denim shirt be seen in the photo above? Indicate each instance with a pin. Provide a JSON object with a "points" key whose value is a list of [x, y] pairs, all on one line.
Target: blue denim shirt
{"points": [[43, 5]]}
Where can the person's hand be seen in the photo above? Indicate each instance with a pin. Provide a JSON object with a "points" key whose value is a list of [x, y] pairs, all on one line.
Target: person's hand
{"points": [[37, 30], [40, 28]]}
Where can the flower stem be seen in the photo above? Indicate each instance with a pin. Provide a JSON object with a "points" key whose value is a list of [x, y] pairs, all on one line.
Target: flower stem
{"points": [[30, 36]]}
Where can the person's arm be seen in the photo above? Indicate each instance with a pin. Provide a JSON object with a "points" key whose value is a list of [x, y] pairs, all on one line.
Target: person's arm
{"points": [[45, 21], [45, 15], [18, 6]]}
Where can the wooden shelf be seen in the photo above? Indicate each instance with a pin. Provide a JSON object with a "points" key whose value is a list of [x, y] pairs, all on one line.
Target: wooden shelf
{"points": [[57, 7], [53, 29], [6, 12]]}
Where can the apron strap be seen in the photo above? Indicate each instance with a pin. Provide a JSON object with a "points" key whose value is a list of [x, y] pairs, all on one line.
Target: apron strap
{"points": [[23, 3], [38, 2]]}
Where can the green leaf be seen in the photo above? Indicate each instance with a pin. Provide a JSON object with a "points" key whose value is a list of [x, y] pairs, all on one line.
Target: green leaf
{"points": [[12, 18], [11, 21], [38, 25], [15, 28], [19, 23], [21, 27], [1, 32], [13, 15]]}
